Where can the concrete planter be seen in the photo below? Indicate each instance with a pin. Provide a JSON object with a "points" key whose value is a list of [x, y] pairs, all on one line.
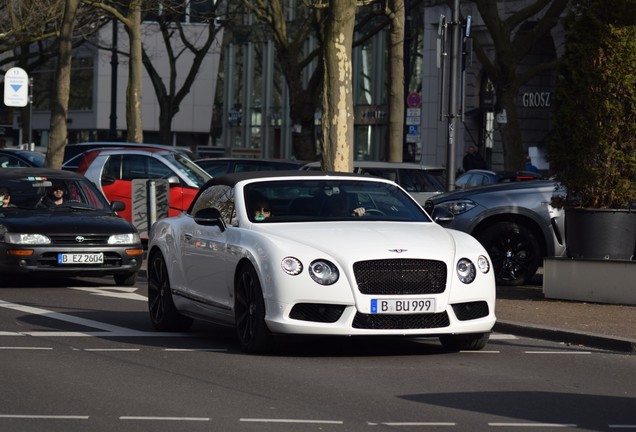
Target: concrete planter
{"points": [[589, 280]]}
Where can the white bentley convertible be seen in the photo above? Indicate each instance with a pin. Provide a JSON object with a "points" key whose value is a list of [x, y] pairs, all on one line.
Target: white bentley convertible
{"points": [[317, 254]]}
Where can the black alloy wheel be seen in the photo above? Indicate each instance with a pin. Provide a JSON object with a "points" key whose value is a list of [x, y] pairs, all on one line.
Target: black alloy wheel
{"points": [[514, 251], [249, 313], [163, 313]]}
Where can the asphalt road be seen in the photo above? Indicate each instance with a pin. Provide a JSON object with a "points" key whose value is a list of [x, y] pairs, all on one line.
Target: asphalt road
{"points": [[79, 355]]}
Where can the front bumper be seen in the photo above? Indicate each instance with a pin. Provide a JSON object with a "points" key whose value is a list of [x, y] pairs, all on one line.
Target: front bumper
{"points": [[346, 320], [120, 259]]}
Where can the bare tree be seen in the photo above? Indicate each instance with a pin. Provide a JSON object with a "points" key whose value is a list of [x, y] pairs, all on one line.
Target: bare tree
{"points": [[396, 13], [28, 21], [337, 89], [177, 43], [129, 14], [59, 107], [511, 46], [290, 39]]}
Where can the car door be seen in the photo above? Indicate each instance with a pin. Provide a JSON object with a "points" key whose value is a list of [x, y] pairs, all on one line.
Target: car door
{"points": [[206, 260]]}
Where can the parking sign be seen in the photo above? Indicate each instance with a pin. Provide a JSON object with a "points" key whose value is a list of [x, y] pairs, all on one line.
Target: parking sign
{"points": [[16, 87]]}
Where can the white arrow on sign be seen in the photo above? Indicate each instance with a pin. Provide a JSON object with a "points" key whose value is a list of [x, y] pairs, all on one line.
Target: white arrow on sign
{"points": [[16, 87]]}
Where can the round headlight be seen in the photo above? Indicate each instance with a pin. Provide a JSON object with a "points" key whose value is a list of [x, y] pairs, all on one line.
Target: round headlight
{"points": [[466, 270], [292, 266], [323, 272], [483, 264]]}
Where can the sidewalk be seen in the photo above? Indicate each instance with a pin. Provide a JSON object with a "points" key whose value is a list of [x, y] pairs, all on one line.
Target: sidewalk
{"points": [[523, 311]]}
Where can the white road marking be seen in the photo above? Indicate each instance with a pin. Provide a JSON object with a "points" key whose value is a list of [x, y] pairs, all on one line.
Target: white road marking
{"points": [[112, 349], [25, 348], [195, 350], [557, 352], [264, 420], [107, 330], [552, 425], [502, 336], [418, 424], [165, 418], [127, 293], [48, 417]]}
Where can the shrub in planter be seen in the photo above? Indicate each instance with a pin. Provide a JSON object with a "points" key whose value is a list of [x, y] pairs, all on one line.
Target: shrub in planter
{"points": [[592, 151]]}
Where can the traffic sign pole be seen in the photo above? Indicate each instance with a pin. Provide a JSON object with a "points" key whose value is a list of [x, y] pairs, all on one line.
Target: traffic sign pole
{"points": [[18, 92]]}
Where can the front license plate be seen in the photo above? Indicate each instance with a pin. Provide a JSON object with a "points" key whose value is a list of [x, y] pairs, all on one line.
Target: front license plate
{"points": [[402, 306], [80, 258]]}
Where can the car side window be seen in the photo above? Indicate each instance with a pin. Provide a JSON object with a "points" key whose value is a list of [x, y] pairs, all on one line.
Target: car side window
{"points": [[7, 161], [220, 197], [112, 168], [157, 169], [142, 167]]}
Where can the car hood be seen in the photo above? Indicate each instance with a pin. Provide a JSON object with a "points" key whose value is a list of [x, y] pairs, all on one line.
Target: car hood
{"points": [[475, 192], [372, 239], [65, 222]]}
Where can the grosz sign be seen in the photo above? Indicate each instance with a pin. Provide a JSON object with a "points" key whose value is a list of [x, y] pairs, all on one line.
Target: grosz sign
{"points": [[536, 99]]}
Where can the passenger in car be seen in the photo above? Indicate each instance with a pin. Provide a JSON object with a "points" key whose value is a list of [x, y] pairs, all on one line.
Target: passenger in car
{"points": [[259, 205], [55, 194], [262, 211], [5, 197]]}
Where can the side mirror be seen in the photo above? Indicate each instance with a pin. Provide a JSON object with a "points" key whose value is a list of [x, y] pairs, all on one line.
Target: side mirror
{"points": [[117, 206], [442, 215], [173, 179], [210, 217]]}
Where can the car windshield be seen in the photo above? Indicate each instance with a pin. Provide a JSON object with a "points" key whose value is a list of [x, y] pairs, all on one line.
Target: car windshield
{"points": [[50, 194], [329, 200], [188, 168]]}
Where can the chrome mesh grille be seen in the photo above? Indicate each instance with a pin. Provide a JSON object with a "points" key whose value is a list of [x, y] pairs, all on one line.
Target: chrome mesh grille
{"points": [[400, 276]]}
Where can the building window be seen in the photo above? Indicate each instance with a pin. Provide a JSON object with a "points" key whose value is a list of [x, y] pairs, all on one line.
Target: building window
{"points": [[185, 11], [81, 90]]}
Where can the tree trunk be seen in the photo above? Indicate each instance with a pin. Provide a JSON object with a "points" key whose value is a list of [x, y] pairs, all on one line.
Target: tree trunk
{"points": [[59, 103], [135, 68], [337, 98], [396, 83]]}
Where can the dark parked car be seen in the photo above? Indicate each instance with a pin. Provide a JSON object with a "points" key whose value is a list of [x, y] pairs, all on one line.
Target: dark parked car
{"points": [[18, 158], [219, 166], [478, 177], [83, 236], [513, 221]]}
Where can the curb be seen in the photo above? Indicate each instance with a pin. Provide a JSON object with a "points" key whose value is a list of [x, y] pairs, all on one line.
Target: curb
{"points": [[566, 336]]}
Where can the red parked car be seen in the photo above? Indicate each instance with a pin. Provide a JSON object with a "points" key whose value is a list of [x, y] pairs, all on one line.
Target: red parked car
{"points": [[113, 171]]}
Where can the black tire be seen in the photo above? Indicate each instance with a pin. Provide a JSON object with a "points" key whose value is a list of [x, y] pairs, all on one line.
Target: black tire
{"points": [[514, 251], [163, 313], [249, 313], [127, 279], [465, 342]]}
